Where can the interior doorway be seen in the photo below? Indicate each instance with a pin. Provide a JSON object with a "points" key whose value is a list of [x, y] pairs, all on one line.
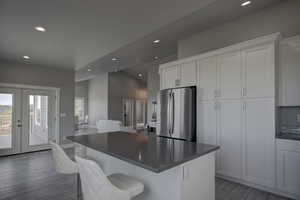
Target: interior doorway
{"points": [[27, 119], [134, 113]]}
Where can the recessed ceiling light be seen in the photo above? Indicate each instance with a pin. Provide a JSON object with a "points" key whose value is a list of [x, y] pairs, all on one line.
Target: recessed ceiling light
{"points": [[114, 59], [40, 28], [89, 70], [155, 57], [26, 57], [245, 3], [140, 75], [156, 41]]}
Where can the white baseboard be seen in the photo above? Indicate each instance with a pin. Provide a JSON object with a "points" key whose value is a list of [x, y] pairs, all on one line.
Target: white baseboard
{"points": [[267, 189]]}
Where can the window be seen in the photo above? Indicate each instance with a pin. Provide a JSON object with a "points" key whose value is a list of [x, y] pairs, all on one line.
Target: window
{"points": [[79, 109]]}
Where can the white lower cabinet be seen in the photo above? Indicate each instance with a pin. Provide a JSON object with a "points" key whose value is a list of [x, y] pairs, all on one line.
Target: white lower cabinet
{"points": [[288, 166], [259, 144], [230, 138], [207, 122], [245, 132]]}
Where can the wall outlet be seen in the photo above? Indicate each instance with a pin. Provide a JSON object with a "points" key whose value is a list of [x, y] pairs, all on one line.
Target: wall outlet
{"points": [[298, 117]]}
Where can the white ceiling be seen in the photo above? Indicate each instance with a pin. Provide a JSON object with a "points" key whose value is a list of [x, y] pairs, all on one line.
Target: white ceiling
{"points": [[138, 56], [88, 33], [81, 31]]}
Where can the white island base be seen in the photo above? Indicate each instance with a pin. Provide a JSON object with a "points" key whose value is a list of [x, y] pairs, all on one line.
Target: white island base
{"points": [[193, 180]]}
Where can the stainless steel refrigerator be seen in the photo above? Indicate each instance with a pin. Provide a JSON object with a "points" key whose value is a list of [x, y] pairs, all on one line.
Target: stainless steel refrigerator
{"points": [[178, 113]]}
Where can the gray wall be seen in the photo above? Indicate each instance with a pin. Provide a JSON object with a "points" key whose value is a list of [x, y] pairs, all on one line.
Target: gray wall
{"points": [[153, 85], [28, 74], [122, 85], [82, 90], [283, 17], [98, 98]]}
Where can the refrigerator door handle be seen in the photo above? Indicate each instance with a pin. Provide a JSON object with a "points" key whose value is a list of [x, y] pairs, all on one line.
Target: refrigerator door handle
{"points": [[169, 113], [173, 112]]}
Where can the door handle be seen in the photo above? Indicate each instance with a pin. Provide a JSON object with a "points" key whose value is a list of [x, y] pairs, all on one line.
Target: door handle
{"points": [[173, 112], [169, 113], [244, 92], [19, 123]]}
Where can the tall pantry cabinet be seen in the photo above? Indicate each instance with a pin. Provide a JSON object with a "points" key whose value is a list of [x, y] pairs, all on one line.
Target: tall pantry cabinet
{"points": [[235, 106]]}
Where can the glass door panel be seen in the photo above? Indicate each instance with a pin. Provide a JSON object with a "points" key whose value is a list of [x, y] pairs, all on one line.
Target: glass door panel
{"points": [[38, 119], [6, 109], [9, 116]]}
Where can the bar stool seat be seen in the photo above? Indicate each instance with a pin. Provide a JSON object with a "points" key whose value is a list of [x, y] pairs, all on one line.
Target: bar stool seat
{"points": [[96, 185], [127, 183]]}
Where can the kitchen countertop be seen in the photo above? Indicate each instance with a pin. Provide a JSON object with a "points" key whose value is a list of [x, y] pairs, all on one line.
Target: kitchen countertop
{"points": [[288, 136], [148, 151]]}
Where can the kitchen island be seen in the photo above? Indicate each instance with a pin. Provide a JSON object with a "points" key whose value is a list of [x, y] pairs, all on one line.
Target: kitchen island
{"points": [[169, 168]]}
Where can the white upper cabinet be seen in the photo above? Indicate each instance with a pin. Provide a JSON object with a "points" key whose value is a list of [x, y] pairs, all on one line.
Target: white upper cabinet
{"points": [[289, 72], [260, 141], [230, 138], [207, 78], [188, 74], [230, 75], [170, 77], [259, 65], [180, 75]]}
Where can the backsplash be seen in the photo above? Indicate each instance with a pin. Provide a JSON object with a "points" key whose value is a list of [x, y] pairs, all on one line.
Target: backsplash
{"points": [[289, 116]]}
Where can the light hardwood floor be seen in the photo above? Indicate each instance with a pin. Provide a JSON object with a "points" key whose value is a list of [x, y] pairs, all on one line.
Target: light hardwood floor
{"points": [[32, 177]]}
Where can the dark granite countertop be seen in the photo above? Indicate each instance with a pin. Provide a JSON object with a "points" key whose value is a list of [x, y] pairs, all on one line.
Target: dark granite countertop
{"points": [[288, 136], [148, 151]]}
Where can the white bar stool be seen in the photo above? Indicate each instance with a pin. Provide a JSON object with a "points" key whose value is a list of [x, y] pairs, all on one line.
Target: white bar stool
{"points": [[64, 165], [96, 185]]}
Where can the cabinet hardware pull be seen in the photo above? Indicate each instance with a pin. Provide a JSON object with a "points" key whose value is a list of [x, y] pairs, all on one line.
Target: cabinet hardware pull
{"points": [[244, 106]]}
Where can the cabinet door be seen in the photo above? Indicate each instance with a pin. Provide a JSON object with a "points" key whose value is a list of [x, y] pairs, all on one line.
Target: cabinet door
{"points": [[230, 75], [260, 142], [207, 78], [207, 123], [288, 170], [230, 138], [288, 165], [188, 75], [170, 77], [259, 65], [290, 78]]}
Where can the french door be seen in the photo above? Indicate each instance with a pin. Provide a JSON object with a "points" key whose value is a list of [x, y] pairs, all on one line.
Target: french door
{"points": [[27, 120]]}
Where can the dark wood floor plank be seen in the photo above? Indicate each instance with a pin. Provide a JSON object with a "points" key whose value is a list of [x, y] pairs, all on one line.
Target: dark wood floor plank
{"points": [[33, 177]]}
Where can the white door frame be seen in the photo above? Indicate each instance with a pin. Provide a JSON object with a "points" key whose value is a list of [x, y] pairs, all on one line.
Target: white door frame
{"points": [[57, 103], [26, 146]]}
